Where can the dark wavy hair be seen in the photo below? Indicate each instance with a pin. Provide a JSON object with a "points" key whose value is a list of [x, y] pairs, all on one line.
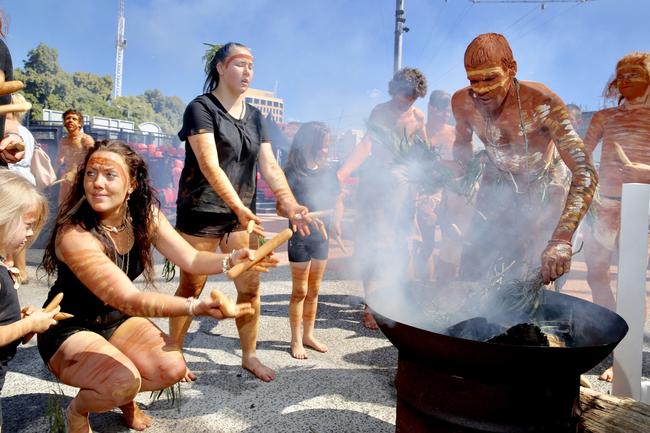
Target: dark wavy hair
{"points": [[408, 82], [74, 111], [75, 210], [307, 142], [212, 80]]}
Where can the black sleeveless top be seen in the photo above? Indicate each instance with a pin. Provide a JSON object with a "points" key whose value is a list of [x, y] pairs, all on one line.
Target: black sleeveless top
{"points": [[79, 300]]}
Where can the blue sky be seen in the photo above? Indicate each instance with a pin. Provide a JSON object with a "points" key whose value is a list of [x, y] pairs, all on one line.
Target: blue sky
{"points": [[331, 59]]}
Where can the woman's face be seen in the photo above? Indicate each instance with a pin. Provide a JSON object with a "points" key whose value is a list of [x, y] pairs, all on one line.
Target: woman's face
{"points": [[324, 150], [106, 182], [236, 71], [22, 231]]}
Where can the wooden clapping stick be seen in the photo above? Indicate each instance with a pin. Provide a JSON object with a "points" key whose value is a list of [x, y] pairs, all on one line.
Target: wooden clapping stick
{"points": [[250, 227], [9, 87], [262, 252], [320, 213], [15, 108], [621, 154], [58, 316], [55, 303]]}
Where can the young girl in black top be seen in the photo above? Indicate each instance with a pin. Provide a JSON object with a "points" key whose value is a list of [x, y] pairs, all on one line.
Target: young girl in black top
{"points": [[22, 212], [314, 183]]}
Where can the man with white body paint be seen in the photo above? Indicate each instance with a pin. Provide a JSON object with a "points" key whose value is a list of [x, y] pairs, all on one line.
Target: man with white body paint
{"points": [[527, 203]]}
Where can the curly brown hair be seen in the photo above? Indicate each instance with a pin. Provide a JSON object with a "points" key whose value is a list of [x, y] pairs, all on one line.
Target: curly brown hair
{"points": [[408, 82], [640, 58]]}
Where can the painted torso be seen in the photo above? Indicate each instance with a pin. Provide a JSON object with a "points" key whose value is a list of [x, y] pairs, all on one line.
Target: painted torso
{"points": [[630, 128]]}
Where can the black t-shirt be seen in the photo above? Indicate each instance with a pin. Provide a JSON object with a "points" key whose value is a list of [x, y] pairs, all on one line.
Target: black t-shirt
{"points": [[317, 189], [9, 313], [7, 66], [238, 145]]}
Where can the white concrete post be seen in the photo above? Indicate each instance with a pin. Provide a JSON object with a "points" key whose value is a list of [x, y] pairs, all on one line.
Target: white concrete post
{"points": [[630, 296]]}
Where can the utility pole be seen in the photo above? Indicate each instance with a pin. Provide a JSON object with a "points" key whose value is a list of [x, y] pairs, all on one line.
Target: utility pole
{"points": [[400, 28], [120, 45]]}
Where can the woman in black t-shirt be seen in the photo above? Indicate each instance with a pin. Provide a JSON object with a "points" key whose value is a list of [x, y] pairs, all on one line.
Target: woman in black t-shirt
{"points": [[225, 139], [314, 183]]}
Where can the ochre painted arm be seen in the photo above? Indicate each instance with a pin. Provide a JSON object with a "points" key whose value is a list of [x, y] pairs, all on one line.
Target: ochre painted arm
{"points": [[584, 178], [83, 254], [357, 157], [205, 149], [594, 132], [181, 253], [274, 176]]}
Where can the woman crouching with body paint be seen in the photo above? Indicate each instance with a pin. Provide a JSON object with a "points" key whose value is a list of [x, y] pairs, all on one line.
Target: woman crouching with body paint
{"points": [[101, 242]]}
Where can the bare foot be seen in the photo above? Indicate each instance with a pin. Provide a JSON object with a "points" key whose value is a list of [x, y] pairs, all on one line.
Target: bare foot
{"points": [[608, 375], [298, 351], [189, 376], [134, 417], [260, 370], [314, 344], [369, 321], [77, 423]]}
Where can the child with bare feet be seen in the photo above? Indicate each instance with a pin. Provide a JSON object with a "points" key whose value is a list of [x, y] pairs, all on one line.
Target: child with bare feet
{"points": [[22, 212], [314, 183], [101, 242]]}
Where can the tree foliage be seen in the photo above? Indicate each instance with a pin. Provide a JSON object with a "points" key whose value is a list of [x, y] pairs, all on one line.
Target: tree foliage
{"points": [[49, 86]]}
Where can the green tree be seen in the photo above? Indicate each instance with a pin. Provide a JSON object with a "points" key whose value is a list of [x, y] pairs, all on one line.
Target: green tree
{"points": [[47, 85]]}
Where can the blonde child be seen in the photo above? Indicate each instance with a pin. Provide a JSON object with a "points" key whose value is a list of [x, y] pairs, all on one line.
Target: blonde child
{"points": [[22, 212]]}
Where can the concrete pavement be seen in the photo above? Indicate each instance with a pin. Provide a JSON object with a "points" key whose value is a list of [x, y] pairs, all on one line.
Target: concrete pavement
{"points": [[348, 389]]}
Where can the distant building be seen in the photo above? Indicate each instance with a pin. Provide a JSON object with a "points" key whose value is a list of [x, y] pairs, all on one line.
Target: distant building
{"points": [[267, 103]]}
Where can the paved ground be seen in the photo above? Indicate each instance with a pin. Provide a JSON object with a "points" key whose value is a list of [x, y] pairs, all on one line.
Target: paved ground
{"points": [[348, 389]]}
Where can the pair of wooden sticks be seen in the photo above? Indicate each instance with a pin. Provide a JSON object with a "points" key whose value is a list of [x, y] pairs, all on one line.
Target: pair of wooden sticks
{"points": [[55, 303]]}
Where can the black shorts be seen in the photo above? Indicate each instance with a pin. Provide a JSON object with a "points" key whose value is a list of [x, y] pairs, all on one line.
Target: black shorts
{"points": [[206, 224], [50, 340], [303, 249]]}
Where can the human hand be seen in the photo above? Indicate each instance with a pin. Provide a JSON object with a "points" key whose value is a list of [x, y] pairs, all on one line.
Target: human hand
{"points": [[636, 172], [222, 307], [299, 219], [245, 216], [41, 320], [556, 260], [26, 311], [245, 254], [12, 148]]}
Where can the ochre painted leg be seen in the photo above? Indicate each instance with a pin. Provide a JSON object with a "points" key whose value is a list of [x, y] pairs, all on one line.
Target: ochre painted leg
{"points": [[248, 290], [598, 275], [106, 377], [190, 285], [299, 278], [156, 356], [316, 272]]}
